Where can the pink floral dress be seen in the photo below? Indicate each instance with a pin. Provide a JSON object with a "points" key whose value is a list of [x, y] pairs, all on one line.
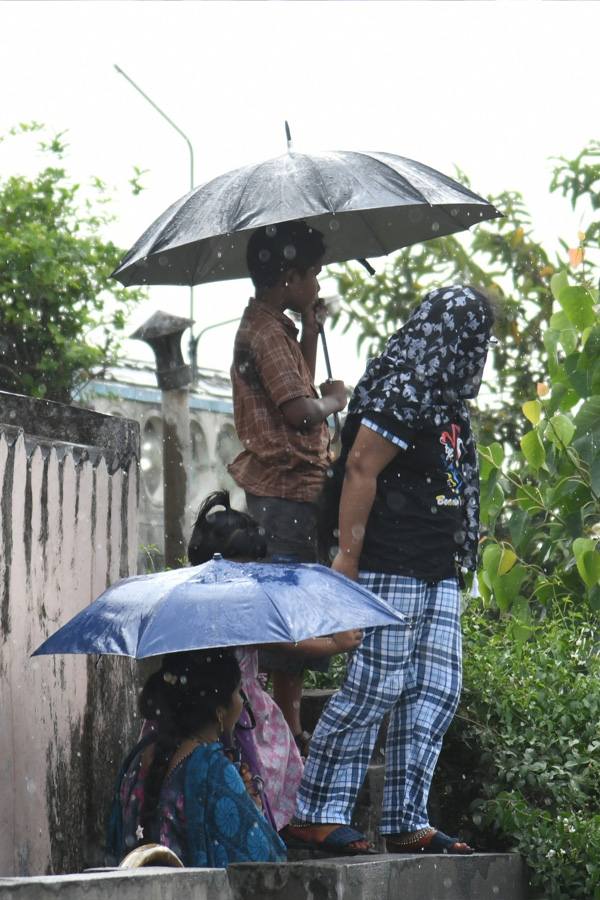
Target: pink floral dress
{"points": [[278, 755]]}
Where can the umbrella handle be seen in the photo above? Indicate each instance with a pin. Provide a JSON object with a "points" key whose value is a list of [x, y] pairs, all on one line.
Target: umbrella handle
{"points": [[336, 418]]}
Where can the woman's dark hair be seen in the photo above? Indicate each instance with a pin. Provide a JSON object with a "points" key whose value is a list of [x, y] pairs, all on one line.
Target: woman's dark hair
{"points": [[273, 249], [180, 698], [233, 534]]}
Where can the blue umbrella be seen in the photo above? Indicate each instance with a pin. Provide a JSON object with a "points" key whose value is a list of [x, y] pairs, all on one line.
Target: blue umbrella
{"points": [[219, 604]]}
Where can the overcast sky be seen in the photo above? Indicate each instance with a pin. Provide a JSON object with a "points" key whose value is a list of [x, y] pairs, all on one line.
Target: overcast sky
{"points": [[495, 88]]}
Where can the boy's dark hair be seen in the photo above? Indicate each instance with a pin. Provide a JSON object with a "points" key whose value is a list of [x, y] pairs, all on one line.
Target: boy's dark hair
{"points": [[233, 534], [273, 249]]}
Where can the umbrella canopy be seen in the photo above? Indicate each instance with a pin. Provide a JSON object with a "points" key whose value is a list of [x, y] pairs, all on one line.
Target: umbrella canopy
{"points": [[366, 205], [219, 604]]}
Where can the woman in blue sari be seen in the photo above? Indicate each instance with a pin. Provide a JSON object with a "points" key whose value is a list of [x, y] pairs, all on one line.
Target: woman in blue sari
{"points": [[177, 787]]}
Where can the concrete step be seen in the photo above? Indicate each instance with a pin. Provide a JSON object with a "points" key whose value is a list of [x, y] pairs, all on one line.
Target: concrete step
{"points": [[478, 877]]}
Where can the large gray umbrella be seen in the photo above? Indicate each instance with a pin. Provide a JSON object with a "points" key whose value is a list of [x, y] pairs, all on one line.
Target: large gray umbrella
{"points": [[366, 204]]}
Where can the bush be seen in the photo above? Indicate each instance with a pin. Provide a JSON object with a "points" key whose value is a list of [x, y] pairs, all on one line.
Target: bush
{"points": [[520, 766]]}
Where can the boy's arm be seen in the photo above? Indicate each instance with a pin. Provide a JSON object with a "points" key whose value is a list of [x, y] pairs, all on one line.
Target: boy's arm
{"points": [[309, 340], [304, 412], [281, 381]]}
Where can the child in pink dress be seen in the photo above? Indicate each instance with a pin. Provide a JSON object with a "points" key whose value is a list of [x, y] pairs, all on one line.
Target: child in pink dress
{"points": [[237, 537]]}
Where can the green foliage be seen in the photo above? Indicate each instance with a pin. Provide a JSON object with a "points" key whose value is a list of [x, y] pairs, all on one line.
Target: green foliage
{"points": [[541, 504], [520, 768], [54, 281], [326, 680]]}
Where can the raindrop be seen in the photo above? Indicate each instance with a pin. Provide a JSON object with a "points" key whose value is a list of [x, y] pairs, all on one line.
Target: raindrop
{"points": [[289, 251], [334, 225], [447, 882], [435, 226], [163, 260], [264, 256], [271, 230]]}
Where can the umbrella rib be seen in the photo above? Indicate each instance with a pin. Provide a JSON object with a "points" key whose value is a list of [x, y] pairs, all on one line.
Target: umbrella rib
{"points": [[242, 194], [316, 170]]}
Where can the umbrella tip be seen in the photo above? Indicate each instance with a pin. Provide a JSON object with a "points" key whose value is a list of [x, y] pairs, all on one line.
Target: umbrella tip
{"points": [[288, 136]]}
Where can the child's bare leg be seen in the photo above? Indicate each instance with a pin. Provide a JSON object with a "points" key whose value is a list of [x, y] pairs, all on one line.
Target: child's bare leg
{"points": [[287, 694]]}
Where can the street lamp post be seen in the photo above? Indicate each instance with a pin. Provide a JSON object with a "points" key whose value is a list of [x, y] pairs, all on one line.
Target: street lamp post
{"points": [[192, 343]]}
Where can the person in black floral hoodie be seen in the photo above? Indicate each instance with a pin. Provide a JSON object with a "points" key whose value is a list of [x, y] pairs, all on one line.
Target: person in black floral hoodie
{"points": [[408, 526]]}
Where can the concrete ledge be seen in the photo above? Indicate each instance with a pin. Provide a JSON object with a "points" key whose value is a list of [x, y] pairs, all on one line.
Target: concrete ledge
{"points": [[150, 883], [482, 876]]}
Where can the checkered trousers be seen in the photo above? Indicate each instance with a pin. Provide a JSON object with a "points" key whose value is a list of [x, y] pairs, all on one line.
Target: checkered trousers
{"points": [[414, 670]]}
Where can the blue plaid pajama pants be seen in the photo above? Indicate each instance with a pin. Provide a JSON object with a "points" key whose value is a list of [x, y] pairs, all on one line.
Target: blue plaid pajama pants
{"points": [[413, 670]]}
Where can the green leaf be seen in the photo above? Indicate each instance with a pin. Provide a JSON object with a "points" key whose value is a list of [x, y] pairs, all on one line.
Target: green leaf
{"points": [[530, 498], [591, 342], [533, 411], [491, 559], [587, 420], [583, 545], [562, 397], [533, 449], [580, 372], [493, 454], [595, 475], [588, 566], [561, 331], [560, 430], [518, 526], [507, 587], [558, 283], [577, 304], [507, 560]]}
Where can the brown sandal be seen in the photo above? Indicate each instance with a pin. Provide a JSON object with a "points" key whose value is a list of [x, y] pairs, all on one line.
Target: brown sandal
{"points": [[427, 840]]}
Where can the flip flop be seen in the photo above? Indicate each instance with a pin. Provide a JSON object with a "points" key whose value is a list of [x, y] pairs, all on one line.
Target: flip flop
{"points": [[335, 843], [437, 843]]}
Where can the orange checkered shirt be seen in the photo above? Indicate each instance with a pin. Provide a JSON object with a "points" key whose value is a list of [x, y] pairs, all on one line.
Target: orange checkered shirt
{"points": [[278, 460]]}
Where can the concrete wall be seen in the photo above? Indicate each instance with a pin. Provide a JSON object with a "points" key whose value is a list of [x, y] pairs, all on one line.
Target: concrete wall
{"points": [[68, 528]]}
